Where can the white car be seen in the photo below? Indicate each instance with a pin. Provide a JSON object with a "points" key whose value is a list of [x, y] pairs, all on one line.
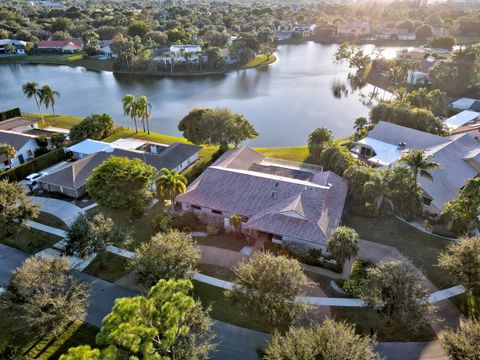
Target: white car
{"points": [[31, 180]]}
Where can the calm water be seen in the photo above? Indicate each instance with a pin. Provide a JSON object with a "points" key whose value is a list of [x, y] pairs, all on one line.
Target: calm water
{"points": [[284, 102]]}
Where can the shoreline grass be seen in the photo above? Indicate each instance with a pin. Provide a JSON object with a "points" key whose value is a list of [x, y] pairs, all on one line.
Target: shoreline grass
{"points": [[260, 60]]}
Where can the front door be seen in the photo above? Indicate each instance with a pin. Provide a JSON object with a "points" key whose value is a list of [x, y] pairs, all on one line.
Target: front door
{"points": [[21, 159]]}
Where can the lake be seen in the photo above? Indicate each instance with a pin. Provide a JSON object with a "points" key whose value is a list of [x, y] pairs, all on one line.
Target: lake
{"points": [[285, 102]]}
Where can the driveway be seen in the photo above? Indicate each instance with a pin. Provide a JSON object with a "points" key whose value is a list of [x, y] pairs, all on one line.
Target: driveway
{"points": [[65, 211], [10, 259], [412, 350]]}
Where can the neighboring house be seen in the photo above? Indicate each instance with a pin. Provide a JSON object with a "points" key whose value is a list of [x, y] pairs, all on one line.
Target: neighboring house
{"points": [[457, 156], [440, 31], [228, 57], [465, 5], [72, 179], [30, 127], [466, 121], [178, 53], [25, 146], [51, 5], [420, 53], [105, 49], [353, 29], [286, 201], [283, 35], [466, 104], [395, 34], [60, 46], [303, 30], [420, 76], [18, 46]]}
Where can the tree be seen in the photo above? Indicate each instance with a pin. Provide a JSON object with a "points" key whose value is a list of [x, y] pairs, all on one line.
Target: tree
{"points": [[235, 221], [82, 352], [31, 89], [166, 323], [354, 56], [272, 294], [9, 152], [95, 127], [42, 297], [461, 258], [343, 243], [219, 127], [61, 24], [48, 97], [130, 108], [138, 28], [462, 344], [443, 42], [402, 190], [329, 341], [318, 140], [144, 110], [361, 128], [15, 207], [121, 183], [420, 163], [173, 255], [424, 32], [58, 140], [463, 213], [395, 289], [158, 37], [336, 158], [89, 235], [374, 189], [171, 183], [215, 58]]}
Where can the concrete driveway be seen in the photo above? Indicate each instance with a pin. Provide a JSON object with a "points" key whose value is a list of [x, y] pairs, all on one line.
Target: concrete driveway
{"points": [[65, 211], [10, 259]]}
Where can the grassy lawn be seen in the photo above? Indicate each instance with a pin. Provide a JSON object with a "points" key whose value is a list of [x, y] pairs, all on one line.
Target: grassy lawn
{"points": [[365, 320], [61, 121], [50, 347], [29, 240], [260, 60], [298, 153], [113, 268], [468, 304], [422, 249], [90, 63], [223, 241], [323, 283], [216, 271], [50, 220]]}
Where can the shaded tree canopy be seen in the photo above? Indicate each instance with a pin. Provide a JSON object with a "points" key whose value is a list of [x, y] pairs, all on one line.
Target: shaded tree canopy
{"points": [[95, 127]]}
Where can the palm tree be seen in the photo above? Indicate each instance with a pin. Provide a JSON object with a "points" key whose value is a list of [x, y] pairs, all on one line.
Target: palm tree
{"points": [[144, 109], [343, 243], [375, 189], [130, 108], [420, 163], [9, 151], [31, 89], [236, 222], [171, 182], [48, 97]]}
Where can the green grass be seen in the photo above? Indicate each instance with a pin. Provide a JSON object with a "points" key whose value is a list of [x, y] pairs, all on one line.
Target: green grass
{"points": [[422, 249], [113, 267], [61, 121], [90, 63], [468, 304], [366, 319], [28, 240], [224, 241], [297, 153], [260, 60], [216, 271], [50, 220]]}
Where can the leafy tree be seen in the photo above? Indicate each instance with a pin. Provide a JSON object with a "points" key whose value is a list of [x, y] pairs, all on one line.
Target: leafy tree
{"points": [[179, 35], [121, 183], [31, 89], [395, 289], [354, 56], [130, 108], [61, 24], [319, 140], [161, 222], [424, 32], [343, 243], [166, 323], [172, 255], [361, 128], [61, 35], [158, 37], [15, 207], [336, 158], [171, 183], [58, 140], [48, 97], [138, 28], [215, 58], [431, 100], [464, 212], [219, 127], [401, 189], [9, 152], [42, 297], [272, 294], [215, 38], [461, 259], [95, 127], [443, 42], [462, 344], [90, 235], [329, 341], [82, 352]]}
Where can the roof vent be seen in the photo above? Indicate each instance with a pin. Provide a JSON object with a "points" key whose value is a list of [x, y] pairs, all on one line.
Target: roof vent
{"points": [[276, 184], [272, 195], [402, 144]]}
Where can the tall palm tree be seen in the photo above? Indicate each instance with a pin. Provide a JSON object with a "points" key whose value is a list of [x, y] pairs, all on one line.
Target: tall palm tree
{"points": [[420, 163], [129, 103], [48, 97], [9, 151], [171, 183], [375, 189], [31, 89], [144, 109]]}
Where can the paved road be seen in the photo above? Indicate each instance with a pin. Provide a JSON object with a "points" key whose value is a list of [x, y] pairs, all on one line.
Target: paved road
{"points": [[412, 350]]}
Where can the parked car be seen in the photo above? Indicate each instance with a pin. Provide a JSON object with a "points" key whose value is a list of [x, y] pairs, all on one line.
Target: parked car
{"points": [[31, 180]]}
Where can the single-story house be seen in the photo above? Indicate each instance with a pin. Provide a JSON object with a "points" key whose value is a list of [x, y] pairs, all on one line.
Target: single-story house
{"points": [[466, 121], [60, 46], [18, 124], [24, 144], [18, 46], [466, 104], [353, 29], [283, 35], [286, 201], [395, 34], [105, 49], [228, 57], [72, 179], [457, 156]]}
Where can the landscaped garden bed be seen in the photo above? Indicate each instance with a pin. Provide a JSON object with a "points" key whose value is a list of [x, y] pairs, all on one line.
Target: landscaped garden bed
{"points": [[29, 240], [111, 269]]}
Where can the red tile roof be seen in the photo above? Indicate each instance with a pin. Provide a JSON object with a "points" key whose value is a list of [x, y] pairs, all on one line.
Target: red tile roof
{"points": [[58, 43]]}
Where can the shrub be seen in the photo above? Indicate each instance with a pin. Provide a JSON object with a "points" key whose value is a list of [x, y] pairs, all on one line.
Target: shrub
{"points": [[212, 230], [355, 283], [313, 257], [186, 222], [161, 222]]}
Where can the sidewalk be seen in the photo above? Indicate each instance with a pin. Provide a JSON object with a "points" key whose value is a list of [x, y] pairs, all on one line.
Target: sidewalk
{"points": [[48, 229]]}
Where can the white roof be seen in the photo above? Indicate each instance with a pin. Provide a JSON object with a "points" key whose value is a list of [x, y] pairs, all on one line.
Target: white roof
{"points": [[386, 154], [14, 42], [463, 103], [128, 143], [461, 119], [89, 147], [186, 48]]}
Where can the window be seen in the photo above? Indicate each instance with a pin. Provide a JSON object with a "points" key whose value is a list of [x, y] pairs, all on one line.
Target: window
{"points": [[426, 201], [216, 212], [29, 153], [196, 207]]}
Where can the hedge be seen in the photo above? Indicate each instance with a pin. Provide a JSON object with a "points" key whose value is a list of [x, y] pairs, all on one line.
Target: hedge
{"points": [[9, 114], [35, 165]]}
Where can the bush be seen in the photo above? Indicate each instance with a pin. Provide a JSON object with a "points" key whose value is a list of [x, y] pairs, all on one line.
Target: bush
{"points": [[313, 257], [187, 222], [355, 283], [161, 222], [212, 230], [9, 114]]}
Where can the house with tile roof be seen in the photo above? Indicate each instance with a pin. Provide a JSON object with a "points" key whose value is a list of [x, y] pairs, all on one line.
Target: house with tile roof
{"points": [[289, 202], [458, 156], [25, 146], [60, 46]]}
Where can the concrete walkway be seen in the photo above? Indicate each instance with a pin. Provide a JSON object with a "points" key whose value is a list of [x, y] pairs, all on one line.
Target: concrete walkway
{"points": [[65, 211], [48, 229]]}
